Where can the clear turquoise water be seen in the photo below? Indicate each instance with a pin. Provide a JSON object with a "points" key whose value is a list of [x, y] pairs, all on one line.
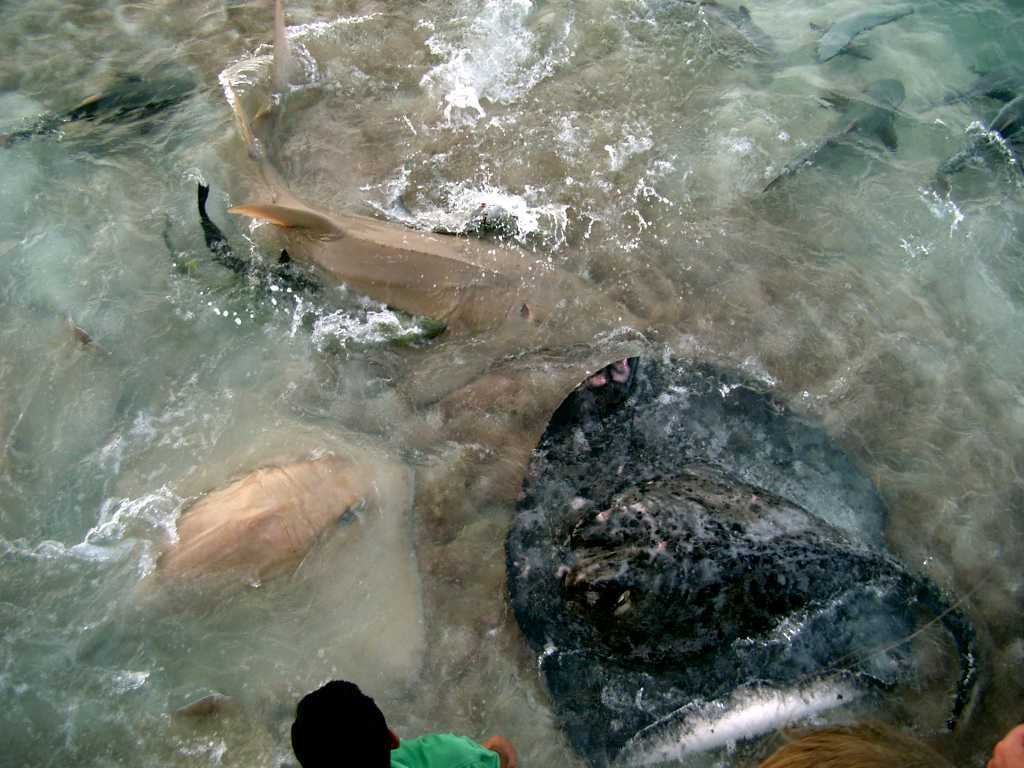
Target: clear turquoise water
{"points": [[633, 139]]}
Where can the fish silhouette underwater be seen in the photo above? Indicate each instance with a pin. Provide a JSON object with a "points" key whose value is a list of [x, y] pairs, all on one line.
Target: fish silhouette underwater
{"points": [[839, 36], [128, 99], [693, 564], [871, 117]]}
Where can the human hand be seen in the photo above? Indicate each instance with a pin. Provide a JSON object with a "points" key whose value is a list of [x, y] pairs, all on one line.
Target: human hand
{"points": [[1009, 753], [506, 752]]}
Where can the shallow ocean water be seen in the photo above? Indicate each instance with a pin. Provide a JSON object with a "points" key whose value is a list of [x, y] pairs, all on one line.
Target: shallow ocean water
{"points": [[631, 139]]}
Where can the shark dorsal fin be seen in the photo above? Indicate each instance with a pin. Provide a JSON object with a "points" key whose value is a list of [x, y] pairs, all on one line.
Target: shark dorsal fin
{"points": [[289, 217]]}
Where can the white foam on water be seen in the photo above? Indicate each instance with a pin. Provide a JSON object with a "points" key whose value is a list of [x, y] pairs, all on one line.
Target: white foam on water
{"points": [[155, 511], [376, 325], [626, 148], [943, 208], [319, 29], [493, 60], [124, 681], [124, 526], [211, 750], [531, 212]]}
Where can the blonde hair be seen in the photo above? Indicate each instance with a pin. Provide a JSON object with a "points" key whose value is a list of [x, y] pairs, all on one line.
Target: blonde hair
{"points": [[869, 745]]}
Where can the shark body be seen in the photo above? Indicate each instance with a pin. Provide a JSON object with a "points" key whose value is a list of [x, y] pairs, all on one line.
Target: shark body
{"points": [[838, 37]]}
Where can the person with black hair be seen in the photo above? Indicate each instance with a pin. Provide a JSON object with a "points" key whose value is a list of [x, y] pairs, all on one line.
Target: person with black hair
{"points": [[339, 726]]}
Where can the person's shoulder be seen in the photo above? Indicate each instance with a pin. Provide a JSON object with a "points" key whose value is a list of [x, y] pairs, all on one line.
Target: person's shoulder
{"points": [[442, 750]]}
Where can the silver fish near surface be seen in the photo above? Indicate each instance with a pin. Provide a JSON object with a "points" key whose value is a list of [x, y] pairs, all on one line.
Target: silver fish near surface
{"points": [[748, 712]]}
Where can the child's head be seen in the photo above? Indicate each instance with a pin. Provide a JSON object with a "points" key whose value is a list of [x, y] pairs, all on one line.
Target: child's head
{"points": [[338, 725], [870, 745]]}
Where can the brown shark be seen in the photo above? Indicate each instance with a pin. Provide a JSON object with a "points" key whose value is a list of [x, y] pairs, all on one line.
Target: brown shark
{"points": [[263, 524], [470, 285]]}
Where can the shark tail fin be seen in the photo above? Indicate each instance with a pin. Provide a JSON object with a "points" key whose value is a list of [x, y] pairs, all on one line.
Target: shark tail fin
{"points": [[292, 216]]}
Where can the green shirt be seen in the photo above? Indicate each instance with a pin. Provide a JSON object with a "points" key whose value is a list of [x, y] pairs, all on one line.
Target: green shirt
{"points": [[442, 750]]}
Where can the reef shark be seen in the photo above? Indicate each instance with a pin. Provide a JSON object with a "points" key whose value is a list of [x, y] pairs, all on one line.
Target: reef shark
{"points": [[262, 524], [839, 35], [871, 117], [467, 284]]}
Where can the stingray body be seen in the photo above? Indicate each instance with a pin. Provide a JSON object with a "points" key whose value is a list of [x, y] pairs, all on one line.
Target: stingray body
{"points": [[691, 544]]}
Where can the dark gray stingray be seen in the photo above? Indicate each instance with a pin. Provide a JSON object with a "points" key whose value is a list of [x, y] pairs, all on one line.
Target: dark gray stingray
{"points": [[1002, 135], [685, 539], [872, 118], [129, 99]]}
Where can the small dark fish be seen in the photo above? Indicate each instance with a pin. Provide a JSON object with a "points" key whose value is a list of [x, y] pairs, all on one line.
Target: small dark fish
{"points": [[130, 99], [78, 333], [840, 34], [213, 704], [872, 117], [285, 271], [81, 336]]}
